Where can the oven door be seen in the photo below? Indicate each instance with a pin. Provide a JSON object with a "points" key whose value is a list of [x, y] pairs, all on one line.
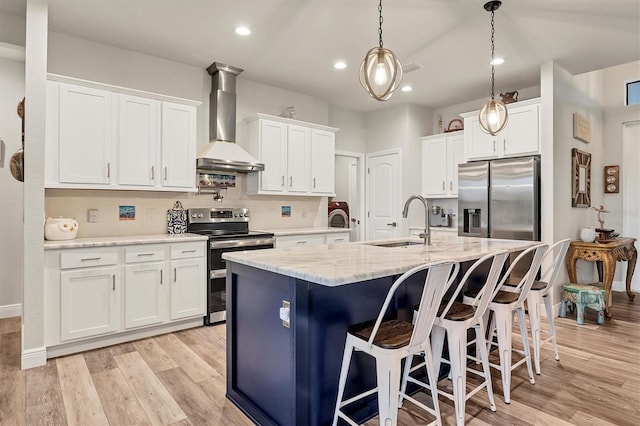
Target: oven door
{"points": [[217, 291]]}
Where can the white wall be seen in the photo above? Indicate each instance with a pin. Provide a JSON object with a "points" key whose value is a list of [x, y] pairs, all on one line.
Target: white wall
{"points": [[93, 61], [12, 29], [352, 134], [12, 90]]}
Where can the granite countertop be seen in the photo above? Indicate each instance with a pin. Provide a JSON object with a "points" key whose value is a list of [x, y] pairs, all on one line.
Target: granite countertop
{"points": [[303, 231], [338, 264], [122, 240], [433, 228]]}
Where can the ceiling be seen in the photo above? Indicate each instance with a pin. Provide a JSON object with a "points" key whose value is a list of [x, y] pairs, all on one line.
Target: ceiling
{"points": [[294, 43]]}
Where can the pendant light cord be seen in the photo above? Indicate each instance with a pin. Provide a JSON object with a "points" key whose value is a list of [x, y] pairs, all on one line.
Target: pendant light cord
{"points": [[380, 27], [493, 68]]}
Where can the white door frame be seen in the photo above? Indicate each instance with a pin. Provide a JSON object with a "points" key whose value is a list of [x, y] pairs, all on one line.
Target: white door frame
{"points": [[370, 155], [360, 160], [627, 163]]}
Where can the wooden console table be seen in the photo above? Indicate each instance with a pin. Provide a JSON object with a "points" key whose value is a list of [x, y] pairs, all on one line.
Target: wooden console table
{"points": [[605, 255]]}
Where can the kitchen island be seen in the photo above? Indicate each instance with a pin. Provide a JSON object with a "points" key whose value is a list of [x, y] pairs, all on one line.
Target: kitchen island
{"points": [[288, 311]]}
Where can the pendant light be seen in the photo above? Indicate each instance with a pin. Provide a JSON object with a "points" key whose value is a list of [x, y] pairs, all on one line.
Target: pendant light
{"points": [[380, 71], [493, 116]]}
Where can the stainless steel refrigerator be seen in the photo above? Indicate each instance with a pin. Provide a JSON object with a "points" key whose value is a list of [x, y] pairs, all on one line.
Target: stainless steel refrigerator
{"points": [[500, 198]]}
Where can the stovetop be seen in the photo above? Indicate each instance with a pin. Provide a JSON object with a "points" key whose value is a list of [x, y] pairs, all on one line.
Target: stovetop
{"points": [[221, 223], [215, 234]]}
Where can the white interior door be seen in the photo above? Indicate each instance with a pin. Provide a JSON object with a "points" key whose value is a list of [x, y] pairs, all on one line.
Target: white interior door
{"points": [[383, 201], [354, 207], [631, 190], [350, 187]]}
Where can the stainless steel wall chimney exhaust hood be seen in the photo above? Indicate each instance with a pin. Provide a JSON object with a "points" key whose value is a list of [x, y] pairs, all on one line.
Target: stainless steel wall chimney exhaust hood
{"points": [[221, 153]]}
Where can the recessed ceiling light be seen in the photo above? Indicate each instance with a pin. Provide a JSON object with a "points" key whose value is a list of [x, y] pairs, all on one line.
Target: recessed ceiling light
{"points": [[406, 88], [339, 65], [243, 31], [497, 61]]}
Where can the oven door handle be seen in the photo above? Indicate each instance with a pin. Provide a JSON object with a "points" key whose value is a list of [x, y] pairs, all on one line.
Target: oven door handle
{"points": [[241, 243], [218, 273]]}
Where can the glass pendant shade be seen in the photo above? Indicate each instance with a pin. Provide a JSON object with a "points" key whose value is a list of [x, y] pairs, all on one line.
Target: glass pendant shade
{"points": [[493, 117], [380, 73]]}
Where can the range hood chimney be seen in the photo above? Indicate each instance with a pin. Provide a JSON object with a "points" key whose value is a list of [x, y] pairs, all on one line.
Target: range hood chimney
{"points": [[222, 153]]}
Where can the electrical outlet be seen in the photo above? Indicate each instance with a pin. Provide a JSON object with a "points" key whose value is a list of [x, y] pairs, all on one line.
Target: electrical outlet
{"points": [[92, 216], [151, 213]]}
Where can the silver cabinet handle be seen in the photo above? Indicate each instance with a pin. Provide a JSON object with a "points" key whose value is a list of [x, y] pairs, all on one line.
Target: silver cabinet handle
{"points": [[109, 170], [146, 254], [394, 224], [494, 145], [86, 259], [113, 285], [301, 242], [290, 180], [161, 276], [175, 275], [153, 172], [165, 173], [314, 182], [504, 144], [189, 251], [443, 185], [450, 185], [282, 184]]}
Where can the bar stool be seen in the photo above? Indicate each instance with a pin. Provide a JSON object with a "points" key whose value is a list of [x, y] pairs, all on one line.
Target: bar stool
{"points": [[507, 301], [392, 340], [542, 293], [454, 319]]}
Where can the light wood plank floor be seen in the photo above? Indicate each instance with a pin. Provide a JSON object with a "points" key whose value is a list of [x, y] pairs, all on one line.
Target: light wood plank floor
{"points": [[178, 379]]}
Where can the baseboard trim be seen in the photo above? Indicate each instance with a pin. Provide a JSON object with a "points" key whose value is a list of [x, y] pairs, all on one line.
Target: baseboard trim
{"points": [[9, 311], [35, 357]]}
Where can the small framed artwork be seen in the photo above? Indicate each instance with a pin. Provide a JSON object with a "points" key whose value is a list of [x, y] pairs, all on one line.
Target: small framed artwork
{"points": [[581, 128], [127, 212], [286, 211], [611, 179], [581, 178]]}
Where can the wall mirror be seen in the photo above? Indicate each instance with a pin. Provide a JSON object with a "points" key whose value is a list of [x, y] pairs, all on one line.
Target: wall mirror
{"points": [[581, 178]]}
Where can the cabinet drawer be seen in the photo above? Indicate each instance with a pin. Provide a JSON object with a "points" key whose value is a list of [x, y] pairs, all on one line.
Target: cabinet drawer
{"points": [[299, 240], [143, 253], [338, 238], [87, 258], [186, 250]]}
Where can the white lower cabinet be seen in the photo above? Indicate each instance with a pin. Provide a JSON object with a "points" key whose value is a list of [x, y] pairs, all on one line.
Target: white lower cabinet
{"points": [[342, 237], [100, 296], [307, 239], [89, 302]]}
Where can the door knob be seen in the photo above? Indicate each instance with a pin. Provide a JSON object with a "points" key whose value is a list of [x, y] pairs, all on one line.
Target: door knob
{"points": [[353, 219], [392, 224]]}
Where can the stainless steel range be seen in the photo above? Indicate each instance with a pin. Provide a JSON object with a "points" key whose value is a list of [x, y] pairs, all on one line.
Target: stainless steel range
{"points": [[228, 230]]}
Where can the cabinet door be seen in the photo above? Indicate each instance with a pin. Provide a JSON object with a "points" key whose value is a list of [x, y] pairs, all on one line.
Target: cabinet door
{"points": [[455, 156], [522, 134], [323, 162], [298, 157], [145, 294], [188, 288], [478, 144], [138, 141], [178, 145], [273, 153], [89, 300], [84, 135], [434, 166]]}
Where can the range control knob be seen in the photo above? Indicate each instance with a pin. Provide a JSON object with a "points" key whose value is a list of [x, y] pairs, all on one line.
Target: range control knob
{"points": [[236, 214], [200, 215], [194, 214]]}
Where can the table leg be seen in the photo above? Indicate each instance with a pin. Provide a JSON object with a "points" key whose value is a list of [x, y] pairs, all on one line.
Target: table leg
{"points": [[609, 266], [599, 269], [631, 265], [571, 265]]}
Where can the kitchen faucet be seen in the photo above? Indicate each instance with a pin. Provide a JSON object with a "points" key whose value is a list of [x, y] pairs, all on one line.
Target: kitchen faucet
{"points": [[426, 235]]}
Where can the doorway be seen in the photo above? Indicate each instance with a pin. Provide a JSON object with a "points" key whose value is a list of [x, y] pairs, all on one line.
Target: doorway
{"points": [[631, 188], [383, 194], [350, 188]]}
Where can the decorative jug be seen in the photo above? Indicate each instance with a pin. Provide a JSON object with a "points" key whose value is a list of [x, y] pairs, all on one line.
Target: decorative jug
{"points": [[588, 235], [60, 228]]}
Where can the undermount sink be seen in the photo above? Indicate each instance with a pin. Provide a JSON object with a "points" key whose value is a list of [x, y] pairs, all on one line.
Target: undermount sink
{"points": [[397, 244]]}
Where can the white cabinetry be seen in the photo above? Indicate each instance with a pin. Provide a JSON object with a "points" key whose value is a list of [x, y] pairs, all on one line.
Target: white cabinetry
{"points": [[521, 136], [188, 274], [146, 292], [306, 239], [100, 296], [106, 137], [441, 155], [299, 157], [89, 294]]}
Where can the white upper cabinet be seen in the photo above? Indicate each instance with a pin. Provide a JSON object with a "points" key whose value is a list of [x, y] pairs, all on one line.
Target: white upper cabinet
{"points": [[178, 145], [299, 157], [84, 135], [138, 141], [106, 137], [521, 136], [441, 155]]}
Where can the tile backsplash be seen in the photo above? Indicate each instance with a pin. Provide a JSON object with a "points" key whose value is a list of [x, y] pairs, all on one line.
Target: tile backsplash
{"points": [[151, 209]]}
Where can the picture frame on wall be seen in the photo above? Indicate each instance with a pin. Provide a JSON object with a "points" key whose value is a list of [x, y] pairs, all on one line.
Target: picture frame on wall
{"points": [[580, 178]]}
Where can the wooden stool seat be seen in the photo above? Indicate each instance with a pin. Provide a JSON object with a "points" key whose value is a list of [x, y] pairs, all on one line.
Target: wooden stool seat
{"points": [[458, 311], [583, 296], [501, 297], [392, 334]]}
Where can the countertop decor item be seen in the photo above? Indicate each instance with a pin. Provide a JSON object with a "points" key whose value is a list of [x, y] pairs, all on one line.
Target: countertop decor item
{"points": [[611, 179], [380, 70], [289, 112], [600, 220], [493, 116], [177, 219], [509, 97], [16, 164], [588, 235], [454, 125], [60, 228]]}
